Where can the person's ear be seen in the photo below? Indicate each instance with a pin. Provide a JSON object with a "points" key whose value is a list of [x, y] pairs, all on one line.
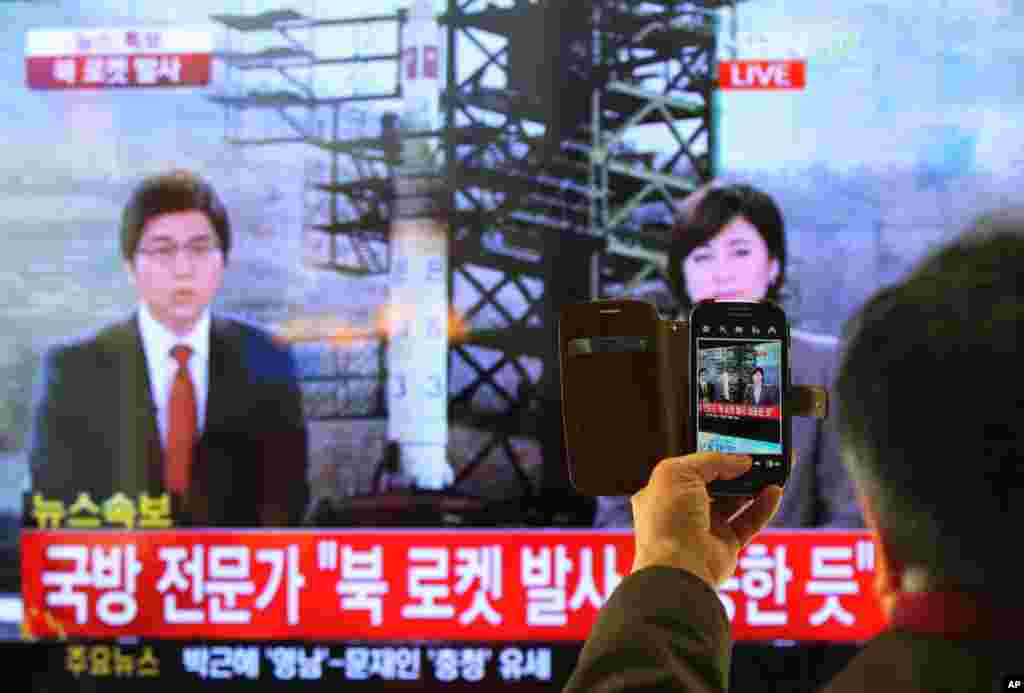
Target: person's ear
{"points": [[129, 267], [773, 271], [888, 569]]}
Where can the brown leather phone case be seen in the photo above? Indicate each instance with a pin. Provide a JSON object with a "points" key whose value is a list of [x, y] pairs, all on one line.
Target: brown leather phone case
{"points": [[621, 415]]}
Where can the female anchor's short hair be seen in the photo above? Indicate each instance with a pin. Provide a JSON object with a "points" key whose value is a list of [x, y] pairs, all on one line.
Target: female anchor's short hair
{"points": [[715, 210], [167, 193]]}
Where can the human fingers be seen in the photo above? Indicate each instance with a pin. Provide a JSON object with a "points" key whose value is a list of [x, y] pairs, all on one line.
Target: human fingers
{"points": [[754, 518], [708, 466]]}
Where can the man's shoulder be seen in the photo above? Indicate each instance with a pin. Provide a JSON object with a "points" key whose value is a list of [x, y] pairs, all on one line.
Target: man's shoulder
{"points": [[96, 343], [894, 658], [812, 356], [257, 347], [244, 331], [813, 341]]}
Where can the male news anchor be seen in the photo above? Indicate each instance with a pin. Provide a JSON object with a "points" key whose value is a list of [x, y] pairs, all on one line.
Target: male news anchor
{"points": [[940, 487], [175, 399]]}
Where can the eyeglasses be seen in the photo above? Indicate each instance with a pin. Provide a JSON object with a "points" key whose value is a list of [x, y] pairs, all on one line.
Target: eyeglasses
{"points": [[197, 251]]}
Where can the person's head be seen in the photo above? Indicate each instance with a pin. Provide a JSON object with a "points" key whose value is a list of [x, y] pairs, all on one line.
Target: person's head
{"points": [[730, 244], [933, 462], [758, 376], [175, 240]]}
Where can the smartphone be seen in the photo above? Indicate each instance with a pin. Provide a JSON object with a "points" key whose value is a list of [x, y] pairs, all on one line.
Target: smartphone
{"points": [[739, 381]]}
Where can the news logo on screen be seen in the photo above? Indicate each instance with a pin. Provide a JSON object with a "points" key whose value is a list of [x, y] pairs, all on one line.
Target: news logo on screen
{"points": [[115, 58]]}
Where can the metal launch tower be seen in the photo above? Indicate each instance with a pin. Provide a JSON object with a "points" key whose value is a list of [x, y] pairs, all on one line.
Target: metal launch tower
{"points": [[543, 112]]}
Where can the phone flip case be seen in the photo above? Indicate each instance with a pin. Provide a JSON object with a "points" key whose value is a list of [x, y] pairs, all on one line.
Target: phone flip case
{"points": [[625, 394]]}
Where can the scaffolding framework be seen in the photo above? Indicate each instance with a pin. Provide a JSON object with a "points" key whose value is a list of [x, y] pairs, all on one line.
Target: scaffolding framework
{"points": [[550, 194], [346, 220]]}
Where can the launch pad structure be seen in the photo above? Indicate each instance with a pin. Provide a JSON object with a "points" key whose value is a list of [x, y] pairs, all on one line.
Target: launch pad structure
{"points": [[551, 199]]}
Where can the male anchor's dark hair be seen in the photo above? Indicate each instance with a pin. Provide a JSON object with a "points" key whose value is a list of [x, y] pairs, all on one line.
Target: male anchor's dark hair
{"points": [[717, 209], [167, 193], [929, 396]]}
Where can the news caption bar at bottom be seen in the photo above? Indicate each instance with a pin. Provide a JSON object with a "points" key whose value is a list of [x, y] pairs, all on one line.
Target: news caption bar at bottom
{"points": [[409, 585], [268, 666], [373, 665]]}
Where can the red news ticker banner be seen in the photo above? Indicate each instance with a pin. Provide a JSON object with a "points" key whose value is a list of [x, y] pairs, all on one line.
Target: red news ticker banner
{"points": [[752, 411], [762, 75], [464, 585], [103, 58]]}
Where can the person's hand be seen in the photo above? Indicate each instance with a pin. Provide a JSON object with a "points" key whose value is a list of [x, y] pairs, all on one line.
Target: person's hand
{"points": [[677, 524]]}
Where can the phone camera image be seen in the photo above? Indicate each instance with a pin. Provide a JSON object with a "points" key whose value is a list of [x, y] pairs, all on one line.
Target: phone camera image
{"points": [[739, 409]]}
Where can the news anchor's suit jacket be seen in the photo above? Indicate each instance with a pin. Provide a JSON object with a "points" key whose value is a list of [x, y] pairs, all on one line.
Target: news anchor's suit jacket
{"points": [[95, 427], [664, 629], [819, 492]]}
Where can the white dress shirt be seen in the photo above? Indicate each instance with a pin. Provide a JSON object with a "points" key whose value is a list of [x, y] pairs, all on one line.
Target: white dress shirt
{"points": [[157, 342], [757, 394]]}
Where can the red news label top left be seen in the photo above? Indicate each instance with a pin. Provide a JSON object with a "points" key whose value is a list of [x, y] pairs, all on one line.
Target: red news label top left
{"points": [[106, 58]]}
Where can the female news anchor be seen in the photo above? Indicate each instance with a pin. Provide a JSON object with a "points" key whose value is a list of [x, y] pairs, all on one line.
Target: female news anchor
{"points": [[729, 243]]}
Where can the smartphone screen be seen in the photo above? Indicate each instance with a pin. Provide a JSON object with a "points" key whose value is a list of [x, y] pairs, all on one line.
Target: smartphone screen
{"points": [[739, 386]]}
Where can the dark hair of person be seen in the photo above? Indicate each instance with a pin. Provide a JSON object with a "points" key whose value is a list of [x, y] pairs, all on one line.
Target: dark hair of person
{"points": [[758, 370], [716, 210], [168, 193], [942, 457]]}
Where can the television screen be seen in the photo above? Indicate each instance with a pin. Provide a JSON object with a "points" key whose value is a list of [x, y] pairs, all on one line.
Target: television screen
{"points": [[279, 391]]}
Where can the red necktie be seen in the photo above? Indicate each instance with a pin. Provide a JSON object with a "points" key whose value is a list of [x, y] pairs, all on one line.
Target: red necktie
{"points": [[181, 424]]}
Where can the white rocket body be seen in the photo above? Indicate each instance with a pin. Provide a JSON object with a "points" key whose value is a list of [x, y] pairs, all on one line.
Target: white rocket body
{"points": [[418, 350], [422, 69]]}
